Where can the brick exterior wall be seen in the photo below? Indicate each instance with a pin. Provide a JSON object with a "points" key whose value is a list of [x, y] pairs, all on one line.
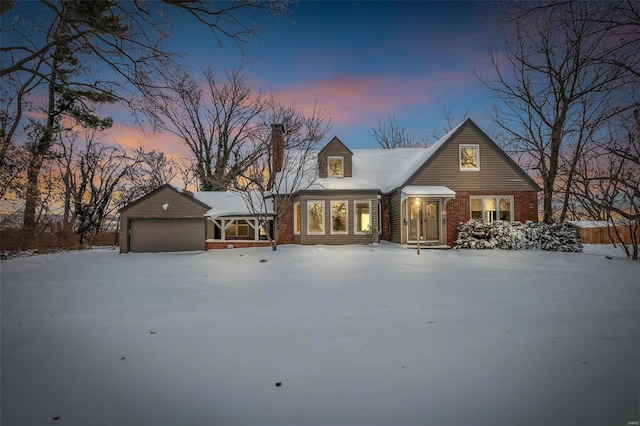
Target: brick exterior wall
{"points": [[525, 207], [286, 227], [385, 220], [214, 245]]}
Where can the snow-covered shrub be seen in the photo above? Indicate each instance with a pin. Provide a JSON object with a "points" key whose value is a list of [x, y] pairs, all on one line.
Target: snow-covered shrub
{"points": [[478, 234]]}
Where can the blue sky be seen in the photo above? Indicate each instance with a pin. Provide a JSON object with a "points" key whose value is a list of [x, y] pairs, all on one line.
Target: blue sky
{"points": [[362, 61]]}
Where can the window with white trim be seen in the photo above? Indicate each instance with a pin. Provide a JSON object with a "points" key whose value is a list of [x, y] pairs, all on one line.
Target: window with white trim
{"points": [[362, 216], [296, 218], [492, 208], [335, 166], [315, 217], [339, 214], [237, 229], [469, 157]]}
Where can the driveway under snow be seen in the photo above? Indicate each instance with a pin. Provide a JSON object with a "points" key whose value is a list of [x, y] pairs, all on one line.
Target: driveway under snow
{"points": [[354, 335]]}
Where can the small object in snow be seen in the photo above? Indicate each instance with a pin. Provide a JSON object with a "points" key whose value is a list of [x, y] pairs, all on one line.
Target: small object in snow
{"points": [[403, 367], [263, 260], [56, 418], [278, 384], [431, 322], [123, 358], [585, 362], [153, 332], [609, 257]]}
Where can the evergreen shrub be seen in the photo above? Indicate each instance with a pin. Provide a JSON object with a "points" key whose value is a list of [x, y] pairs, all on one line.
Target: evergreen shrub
{"points": [[478, 234]]}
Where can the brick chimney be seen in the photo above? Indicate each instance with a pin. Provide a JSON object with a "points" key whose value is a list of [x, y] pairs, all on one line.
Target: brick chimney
{"points": [[277, 146]]}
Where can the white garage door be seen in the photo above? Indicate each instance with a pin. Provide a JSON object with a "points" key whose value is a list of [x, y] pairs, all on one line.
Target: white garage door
{"points": [[157, 235]]}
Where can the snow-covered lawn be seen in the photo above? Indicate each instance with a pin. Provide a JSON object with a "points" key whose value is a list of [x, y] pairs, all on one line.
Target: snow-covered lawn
{"points": [[355, 335]]}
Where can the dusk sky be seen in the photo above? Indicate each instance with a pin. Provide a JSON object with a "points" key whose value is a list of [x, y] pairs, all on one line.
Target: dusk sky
{"points": [[362, 62]]}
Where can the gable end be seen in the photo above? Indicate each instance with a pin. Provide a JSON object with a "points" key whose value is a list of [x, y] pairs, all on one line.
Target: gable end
{"points": [[335, 150], [457, 180], [185, 194]]}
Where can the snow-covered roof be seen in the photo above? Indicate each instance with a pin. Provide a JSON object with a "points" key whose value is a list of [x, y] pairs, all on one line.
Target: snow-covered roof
{"points": [[440, 191], [588, 223], [374, 169], [227, 203]]}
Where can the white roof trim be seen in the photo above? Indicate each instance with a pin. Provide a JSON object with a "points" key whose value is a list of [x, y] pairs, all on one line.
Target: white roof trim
{"points": [[426, 191]]}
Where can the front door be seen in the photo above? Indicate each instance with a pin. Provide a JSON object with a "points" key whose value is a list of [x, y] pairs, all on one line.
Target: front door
{"points": [[431, 214], [423, 219]]}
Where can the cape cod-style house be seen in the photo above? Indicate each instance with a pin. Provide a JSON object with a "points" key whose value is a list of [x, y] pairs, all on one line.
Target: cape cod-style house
{"points": [[402, 195]]}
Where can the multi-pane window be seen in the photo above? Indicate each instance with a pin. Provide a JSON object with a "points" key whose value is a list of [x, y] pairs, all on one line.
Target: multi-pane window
{"points": [[362, 216], [237, 229], [315, 217], [296, 218], [339, 217], [335, 166], [469, 157], [492, 208]]}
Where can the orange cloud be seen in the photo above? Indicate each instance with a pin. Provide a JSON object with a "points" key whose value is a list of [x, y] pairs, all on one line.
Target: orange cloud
{"points": [[132, 136], [354, 100]]}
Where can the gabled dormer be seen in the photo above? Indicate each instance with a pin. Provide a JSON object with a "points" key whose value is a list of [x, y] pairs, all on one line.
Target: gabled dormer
{"points": [[334, 160]]}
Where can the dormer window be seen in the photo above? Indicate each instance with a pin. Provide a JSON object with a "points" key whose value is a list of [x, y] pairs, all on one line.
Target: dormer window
{"points": [[469, 157], [335, 166]]}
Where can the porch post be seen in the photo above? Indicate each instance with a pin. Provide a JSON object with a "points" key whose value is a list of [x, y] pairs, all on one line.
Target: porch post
{"points": [[419, 224]]}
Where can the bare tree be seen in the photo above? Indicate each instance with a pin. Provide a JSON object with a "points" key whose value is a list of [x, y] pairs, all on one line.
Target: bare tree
{"points": [[270, 186], [556, 88], [609, 183], [390, 134], [187, 173], [152, 170], [12, 172], [91, 173], [449, 122], [83, 53], [217, 123]]}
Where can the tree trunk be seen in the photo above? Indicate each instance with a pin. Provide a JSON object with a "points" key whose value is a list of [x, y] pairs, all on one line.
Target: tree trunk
{"points": [[32, 193], [41, 148]]}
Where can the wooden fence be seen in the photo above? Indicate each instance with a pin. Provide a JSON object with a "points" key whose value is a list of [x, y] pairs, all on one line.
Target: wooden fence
{"points": [[601, 235]]}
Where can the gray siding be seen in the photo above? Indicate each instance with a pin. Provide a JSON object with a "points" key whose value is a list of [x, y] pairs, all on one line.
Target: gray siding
{"points": [[495, 172], [395, 217], [335, 148], [327, 237], [181, 206]]}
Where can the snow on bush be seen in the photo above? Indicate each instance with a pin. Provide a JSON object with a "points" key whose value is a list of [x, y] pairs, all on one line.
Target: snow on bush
{"points": [[478, 234]]}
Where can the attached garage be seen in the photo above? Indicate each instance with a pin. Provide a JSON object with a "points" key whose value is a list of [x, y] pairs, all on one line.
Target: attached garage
{"points": [[158, 235], [165, 220]]}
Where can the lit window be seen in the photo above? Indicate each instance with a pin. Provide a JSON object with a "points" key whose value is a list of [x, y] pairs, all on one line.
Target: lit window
{"points": [[315, 217], [339, 217], [492, 208], [237, 229], [362, 217], [296, 218], [505, 210], [469, 157], [335, 166], [265, 231]]}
